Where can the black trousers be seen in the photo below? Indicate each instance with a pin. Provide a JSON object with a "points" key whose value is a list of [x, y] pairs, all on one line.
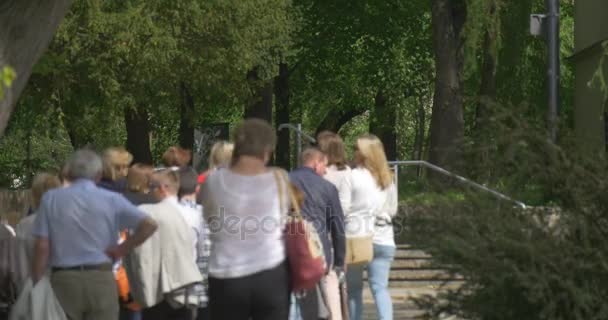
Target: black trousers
{"points": [[260, 296], [164, 311]]}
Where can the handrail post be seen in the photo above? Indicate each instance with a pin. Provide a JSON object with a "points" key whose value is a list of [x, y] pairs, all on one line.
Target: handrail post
{"points": [[299, 144], [299, 136]]}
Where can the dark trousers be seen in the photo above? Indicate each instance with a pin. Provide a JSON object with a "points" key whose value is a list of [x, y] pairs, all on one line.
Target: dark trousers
{"points": [[127, 314], [164, 311], [260, 296], [203, 314]]}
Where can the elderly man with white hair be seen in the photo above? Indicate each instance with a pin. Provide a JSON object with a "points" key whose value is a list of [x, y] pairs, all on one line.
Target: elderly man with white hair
{"points": [[76, 232]]}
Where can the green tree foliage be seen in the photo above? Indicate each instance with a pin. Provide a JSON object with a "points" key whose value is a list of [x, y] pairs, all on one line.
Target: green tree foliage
{"points": [[348, 52], [537, 263], [112, 57]]}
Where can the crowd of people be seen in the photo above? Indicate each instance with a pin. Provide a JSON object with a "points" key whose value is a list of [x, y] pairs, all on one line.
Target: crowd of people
{"points": [[124, 240]]}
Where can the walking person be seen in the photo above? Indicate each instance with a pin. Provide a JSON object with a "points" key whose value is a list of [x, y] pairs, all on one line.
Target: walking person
{"points": [[138, 193], [42, 183], [76, 232], [176, 157], [193, 212], [219, 157], [373, 205], [138, 185], [248, 276], [162, 271], [322, 208], [339, 174], [116, 161]]}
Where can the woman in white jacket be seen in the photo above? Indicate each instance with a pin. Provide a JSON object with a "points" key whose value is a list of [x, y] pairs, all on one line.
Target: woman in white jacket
{"points": [[372, 207], [339, 174]]}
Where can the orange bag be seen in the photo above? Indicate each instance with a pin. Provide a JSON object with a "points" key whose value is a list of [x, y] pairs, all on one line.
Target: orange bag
{"points": [[122, 283]]}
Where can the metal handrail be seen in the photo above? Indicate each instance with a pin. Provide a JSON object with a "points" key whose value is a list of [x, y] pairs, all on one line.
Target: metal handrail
{"points": [[297, 129], [457, 177], [299, 134]]}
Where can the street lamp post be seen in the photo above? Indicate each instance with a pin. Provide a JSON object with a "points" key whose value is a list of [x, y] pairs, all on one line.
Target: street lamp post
{"points": [[548, 25], [553, 72]]}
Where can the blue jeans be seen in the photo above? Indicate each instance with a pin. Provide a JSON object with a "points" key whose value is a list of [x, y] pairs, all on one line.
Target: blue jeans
{"points": [[378, 273]]}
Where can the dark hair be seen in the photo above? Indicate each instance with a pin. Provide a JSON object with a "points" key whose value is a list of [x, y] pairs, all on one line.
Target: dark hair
{"points": [[188, 181], [253, 137], [177, 157], [333, 146]]}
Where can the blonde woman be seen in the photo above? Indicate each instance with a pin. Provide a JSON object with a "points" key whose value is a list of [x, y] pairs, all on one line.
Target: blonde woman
{"points": [[373, 205], [116, 162], [219, 157]]}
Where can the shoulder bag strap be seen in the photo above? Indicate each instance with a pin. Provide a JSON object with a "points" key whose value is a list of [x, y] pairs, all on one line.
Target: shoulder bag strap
{"points": [[283, 185]]}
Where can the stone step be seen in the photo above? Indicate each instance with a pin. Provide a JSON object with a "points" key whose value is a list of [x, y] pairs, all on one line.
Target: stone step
{"points": [[419, 275], [369, 312], [432, 284], [411, 264], [411, 254], [404, 307]]}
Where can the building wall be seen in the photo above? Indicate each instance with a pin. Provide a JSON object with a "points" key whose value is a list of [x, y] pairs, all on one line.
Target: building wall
{"points": [[590, 31], [14, 205], [591, 23], [589, 104]]}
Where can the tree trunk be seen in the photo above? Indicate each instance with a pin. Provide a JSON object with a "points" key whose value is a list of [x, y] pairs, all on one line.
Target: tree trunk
{"points": [[186, 123], [79, 136], [26, 29], [514, 23], [447, 123], [259, 105], [281, 92], [138, 135], [382, 124], [483, 132], [487, 89], [336, 118]]}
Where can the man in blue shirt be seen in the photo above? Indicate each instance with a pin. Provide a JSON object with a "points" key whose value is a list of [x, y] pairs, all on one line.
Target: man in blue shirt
{"points": [[322, 208], [77, 231]]}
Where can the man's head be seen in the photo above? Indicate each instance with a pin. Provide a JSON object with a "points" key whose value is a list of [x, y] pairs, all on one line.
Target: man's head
{"points": [[164, 184], [84, 164], [188, 182], [315, 159]]}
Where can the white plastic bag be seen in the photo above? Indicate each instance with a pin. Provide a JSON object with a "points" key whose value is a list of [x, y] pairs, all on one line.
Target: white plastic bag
{"points": [[37, 303]]}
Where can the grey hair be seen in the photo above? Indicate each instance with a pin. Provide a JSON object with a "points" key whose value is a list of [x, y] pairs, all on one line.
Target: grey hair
{"points": [[84, 164]]}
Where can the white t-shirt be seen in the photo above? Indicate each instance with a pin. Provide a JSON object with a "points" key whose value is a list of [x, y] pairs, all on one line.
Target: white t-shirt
{"points": [[245, 221]]}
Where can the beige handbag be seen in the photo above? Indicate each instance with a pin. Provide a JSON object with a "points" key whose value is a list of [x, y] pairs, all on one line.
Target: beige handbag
{"points": [[359, 250]]}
